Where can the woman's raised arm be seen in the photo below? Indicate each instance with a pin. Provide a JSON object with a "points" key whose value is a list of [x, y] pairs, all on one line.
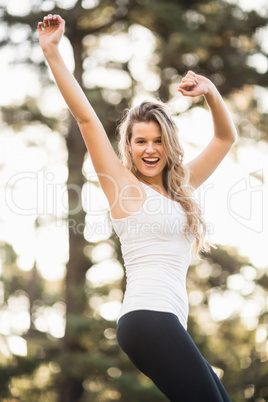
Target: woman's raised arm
{"points": [[224, 130], [105, 161]]}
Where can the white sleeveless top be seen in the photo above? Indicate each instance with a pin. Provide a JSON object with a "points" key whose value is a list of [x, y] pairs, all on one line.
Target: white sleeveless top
{"points": [[156, 256]]}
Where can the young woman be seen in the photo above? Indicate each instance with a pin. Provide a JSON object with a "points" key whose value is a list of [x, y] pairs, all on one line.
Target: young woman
{"points": [[156, 218]]}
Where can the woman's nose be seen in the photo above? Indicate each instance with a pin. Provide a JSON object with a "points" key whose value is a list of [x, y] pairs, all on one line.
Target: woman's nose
{"points": [[150, 147]]}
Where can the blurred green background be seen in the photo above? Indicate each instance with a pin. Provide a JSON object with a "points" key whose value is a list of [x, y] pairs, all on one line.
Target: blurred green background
{"points": [[61, 271]]}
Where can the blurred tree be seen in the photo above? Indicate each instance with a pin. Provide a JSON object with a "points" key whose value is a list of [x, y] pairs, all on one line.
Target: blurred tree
{"points": [[214, 38], [224, 290]]}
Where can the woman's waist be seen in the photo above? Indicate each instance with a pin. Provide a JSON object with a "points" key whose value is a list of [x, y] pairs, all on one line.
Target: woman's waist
{"points": [[178, 306], [155, 289], [157, 275]]}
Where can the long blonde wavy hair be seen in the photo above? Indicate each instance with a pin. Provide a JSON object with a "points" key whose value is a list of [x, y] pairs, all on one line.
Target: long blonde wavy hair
{"points": [[175, 173]]}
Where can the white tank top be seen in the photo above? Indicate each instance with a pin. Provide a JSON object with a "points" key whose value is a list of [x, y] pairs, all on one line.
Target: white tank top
{"points": [[156, 256]]}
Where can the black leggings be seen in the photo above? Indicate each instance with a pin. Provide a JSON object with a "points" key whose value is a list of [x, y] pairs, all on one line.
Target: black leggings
{"points": [[158, 345]]}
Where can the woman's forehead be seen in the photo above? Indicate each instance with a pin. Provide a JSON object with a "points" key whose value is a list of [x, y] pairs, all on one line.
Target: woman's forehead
{"points": [[146, 129]]}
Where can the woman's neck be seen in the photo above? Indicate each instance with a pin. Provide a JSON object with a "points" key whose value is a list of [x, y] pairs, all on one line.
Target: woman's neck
{"points": [[156, 181]]}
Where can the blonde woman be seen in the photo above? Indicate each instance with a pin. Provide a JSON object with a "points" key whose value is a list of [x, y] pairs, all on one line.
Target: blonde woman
{"points": [[156, 218]]}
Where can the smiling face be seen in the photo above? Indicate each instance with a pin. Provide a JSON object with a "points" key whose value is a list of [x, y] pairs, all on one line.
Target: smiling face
{"points": [[147, 151]]}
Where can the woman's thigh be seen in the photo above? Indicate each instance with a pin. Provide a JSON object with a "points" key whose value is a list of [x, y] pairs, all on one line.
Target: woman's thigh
{"points": [[160, 347]]}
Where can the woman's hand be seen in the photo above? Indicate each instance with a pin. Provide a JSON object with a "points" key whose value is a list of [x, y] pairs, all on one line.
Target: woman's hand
{"points": [[194, 85], [50, 31]]}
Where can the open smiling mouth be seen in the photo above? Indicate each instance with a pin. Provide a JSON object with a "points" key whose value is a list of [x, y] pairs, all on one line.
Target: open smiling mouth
{"points": [[151, 162]]}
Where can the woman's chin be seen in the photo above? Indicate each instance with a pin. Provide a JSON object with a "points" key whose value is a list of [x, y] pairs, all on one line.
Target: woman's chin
{"points": [[142, 173]]}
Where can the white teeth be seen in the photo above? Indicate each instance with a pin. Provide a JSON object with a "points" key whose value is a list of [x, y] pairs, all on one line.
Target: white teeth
{"points": [[151, 159]]}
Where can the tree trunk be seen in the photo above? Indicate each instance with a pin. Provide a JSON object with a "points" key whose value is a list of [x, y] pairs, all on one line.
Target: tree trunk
{"points": [[71, 388]]}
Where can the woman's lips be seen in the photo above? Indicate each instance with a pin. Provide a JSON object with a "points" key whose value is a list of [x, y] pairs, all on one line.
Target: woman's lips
{"points": [[149, 163]]}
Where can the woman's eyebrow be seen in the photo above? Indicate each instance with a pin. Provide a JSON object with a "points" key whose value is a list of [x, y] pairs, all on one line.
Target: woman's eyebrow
{"points": [[142, 138]]}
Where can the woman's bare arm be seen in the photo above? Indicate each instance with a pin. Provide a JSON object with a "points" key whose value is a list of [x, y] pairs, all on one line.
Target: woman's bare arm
{"points": [[204, 164], [110, 170]]}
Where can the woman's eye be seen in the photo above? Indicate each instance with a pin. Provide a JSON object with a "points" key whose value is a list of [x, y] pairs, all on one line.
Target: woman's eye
{"points": [[142, 141]]}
